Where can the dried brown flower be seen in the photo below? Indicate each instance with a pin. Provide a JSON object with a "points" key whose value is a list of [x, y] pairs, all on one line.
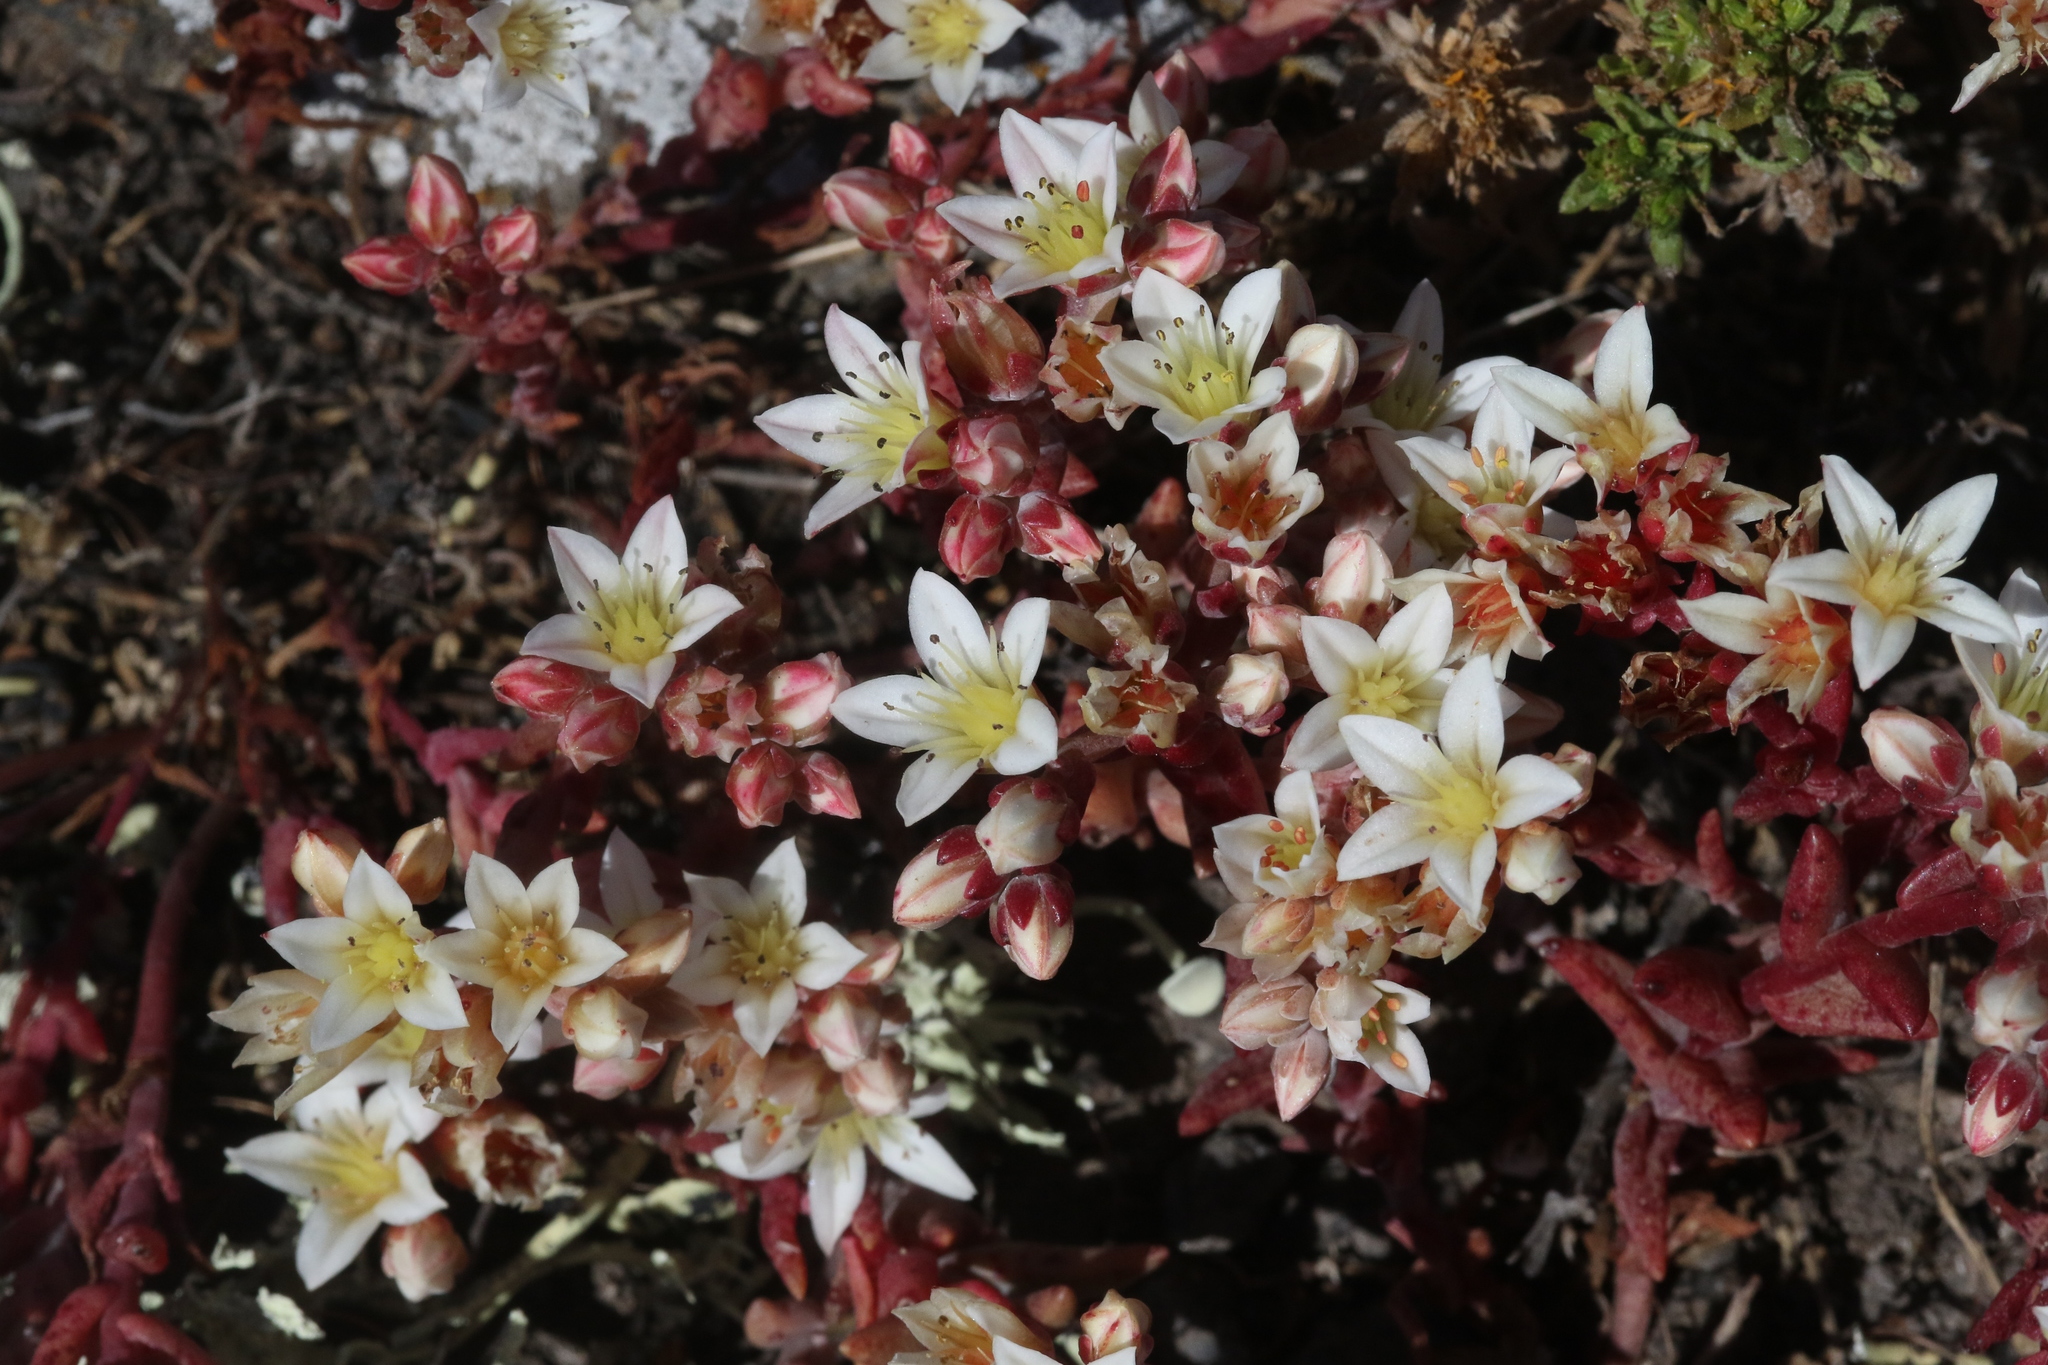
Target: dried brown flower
{"points": [[1478, 107]]}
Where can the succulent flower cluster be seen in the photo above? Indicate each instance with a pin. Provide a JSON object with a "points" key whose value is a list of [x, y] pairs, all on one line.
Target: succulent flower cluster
{"points": [[1292, 659]]}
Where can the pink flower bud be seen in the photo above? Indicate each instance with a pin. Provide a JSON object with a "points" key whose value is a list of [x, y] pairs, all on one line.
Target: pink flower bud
{"points": [[2010, 1009], [932, 239], [950, 877], [320, 864], [602, 727], [707, 711], [425, 1258], [655, 947], [610, 1077], [419, 862], [978, 535], [541, 687], [991, 350], [1051, 529], [1116, 1323], [810, 81], [873, 205], [760, 783], [1166, 181], [1185, 88], [1265, 1013], [993, 453], [396, 265], [1275, 628], [1033, 920], [1265, 171], [512, 242], [1925, 759], [1182, 250], [603, 1024], [1322, 364], [1253, 692], [733, 105], [1357, 577], [911, 154], [843, 1025], [881, 1084], [1022, 829], [1052, 1306], [883, 951], [1537, 859], [438, 206], [1279, 927], [2004, 1097], [826, 788], [1301, 1068], [796, 698]]}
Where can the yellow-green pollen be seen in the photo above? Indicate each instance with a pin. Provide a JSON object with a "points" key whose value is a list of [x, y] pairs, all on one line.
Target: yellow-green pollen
{"points": [[1465, 806], [2027, 695], [1061, 227], [533, 955], [764, 950], [1893, 581], [384, 954], [1373, 691], [1201, 368], [1413, 402], [529, 34], [352, 1173], [635, 621], [945, 32]]}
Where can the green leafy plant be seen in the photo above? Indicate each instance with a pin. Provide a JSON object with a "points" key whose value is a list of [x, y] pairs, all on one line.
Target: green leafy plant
{"points": [[1699, 89]]}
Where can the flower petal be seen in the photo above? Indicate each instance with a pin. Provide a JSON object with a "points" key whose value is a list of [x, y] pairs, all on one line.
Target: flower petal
{"points": [[1962, 609], [827, 957], [928, 783], [838, 1179], [1469, 724], [1878, 642], [1555, 404], [491, 891], [1395, 757], [1621, 367], [570, 639], [1824, 575], [1865, 519], [1529, 786], [916, 1155], [948, 632], [1940, 533], [1021, 644], [1393, 837], [885, 710], [781, 882], [1035, 744]]}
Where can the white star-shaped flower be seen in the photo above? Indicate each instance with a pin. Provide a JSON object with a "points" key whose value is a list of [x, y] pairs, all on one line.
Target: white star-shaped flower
{"points": [[972, 705], [2011, 674], [1449, 799], [943, 39], [873, 437], [1401, 675], [1059, 223], [839, 1166], [1244, 499], [1371, 1021], [631, 614], [1615, 429], [532, 43], [373, 961], [525, 944], [351, 1162], [752, 949], [1282, 854], [1199, 369], [1496, 466], [1893, 579]]}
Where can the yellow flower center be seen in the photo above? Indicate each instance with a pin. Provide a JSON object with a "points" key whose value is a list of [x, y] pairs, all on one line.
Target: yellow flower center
{"points": [[529, 34], [1291, 844], [385, 954], [635, 621], [1464, 807], [531, 957], [1413, 402], [945, 32], [1375, 692], [1202, 367], [1061, 226], [2027, 695], [764, 950], [1893, 582], [352, 1173], [1614, 447], [981, 717]]}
